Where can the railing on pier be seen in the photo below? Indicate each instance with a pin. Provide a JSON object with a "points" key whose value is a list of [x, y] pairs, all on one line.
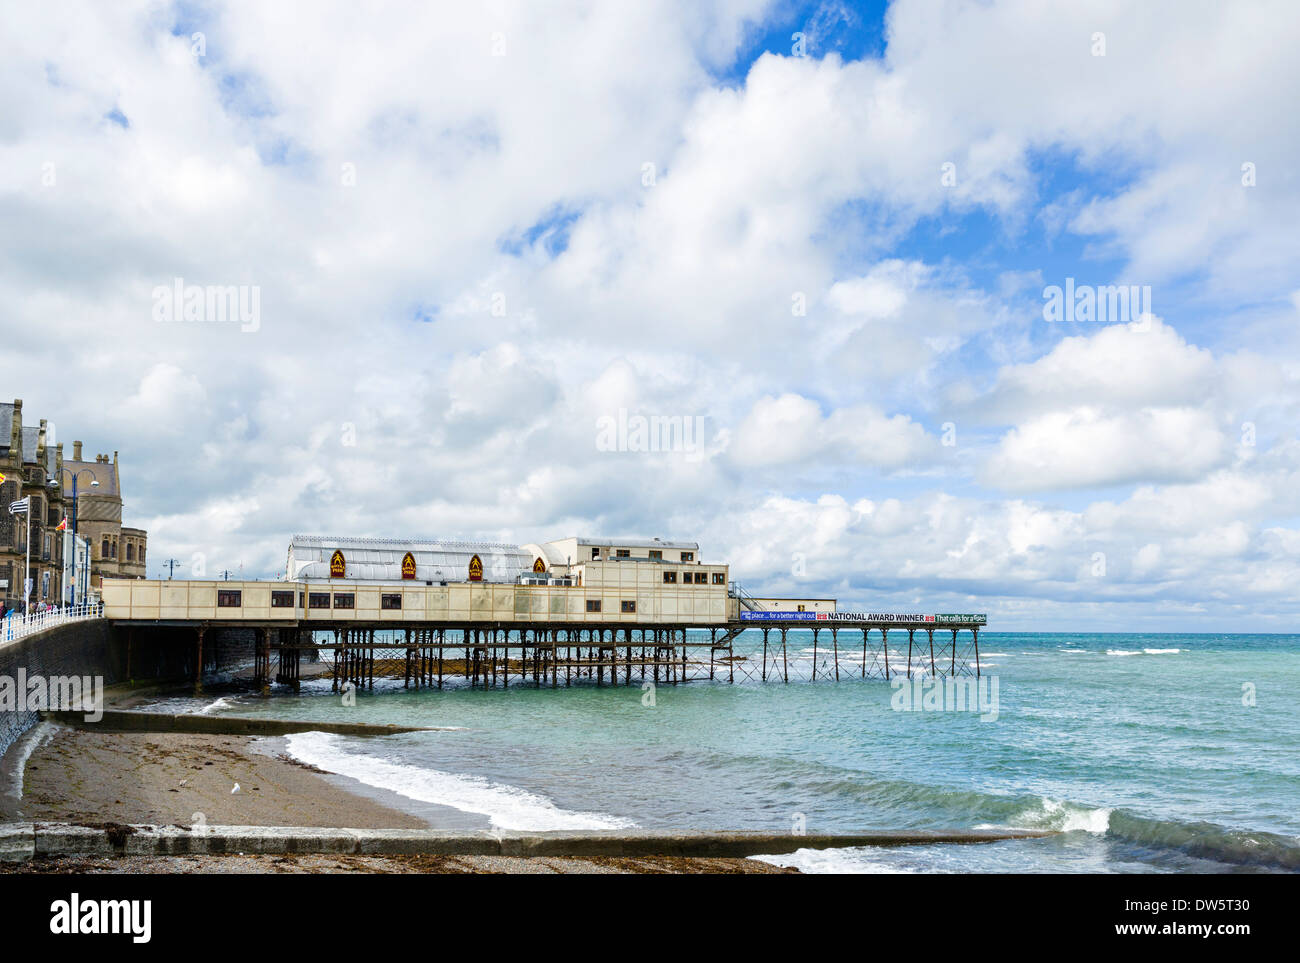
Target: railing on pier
{"points": [[15, 626]]}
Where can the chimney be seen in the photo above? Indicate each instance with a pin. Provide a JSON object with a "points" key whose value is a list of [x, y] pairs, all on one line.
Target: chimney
{"points": [[76, 451], [16, 430]]}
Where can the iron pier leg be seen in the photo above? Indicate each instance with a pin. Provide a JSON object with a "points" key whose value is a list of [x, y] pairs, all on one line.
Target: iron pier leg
{"points": [[198, 661]]}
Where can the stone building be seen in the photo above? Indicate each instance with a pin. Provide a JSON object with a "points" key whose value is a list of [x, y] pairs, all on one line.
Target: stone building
{"points": [[116, 551], [34, 467], [27, 464]]}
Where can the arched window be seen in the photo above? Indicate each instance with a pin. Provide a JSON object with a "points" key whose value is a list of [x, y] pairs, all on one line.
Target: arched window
{"points": [[103, 552]]}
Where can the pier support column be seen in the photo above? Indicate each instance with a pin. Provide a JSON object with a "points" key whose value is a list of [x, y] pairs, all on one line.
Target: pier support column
{"points": [[262, 670], [198, 660], [814, 671], [976, 635], [884, 645], [785, 656], [835, 645], [910, 633]]}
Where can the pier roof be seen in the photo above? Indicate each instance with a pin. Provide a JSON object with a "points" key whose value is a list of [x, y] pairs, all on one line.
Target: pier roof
{"points": [[380, 559]]}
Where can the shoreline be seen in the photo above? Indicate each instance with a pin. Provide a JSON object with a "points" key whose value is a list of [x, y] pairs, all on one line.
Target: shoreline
{"points": [[92, 778]]}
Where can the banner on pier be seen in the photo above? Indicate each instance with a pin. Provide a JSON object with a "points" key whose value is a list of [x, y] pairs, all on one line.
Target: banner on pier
{"points": [[879, 617]]}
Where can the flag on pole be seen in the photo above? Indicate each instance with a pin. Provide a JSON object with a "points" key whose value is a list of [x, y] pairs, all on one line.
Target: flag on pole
{"points": [[2, 478], [63, 525], [20, 506]]}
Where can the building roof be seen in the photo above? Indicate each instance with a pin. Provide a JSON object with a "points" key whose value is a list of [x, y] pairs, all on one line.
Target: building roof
{"points": [[647, 543], [31, 438], [380, 559]]}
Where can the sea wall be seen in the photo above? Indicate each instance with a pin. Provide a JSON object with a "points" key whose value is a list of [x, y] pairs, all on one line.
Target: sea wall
{"points": [[73, 649]]}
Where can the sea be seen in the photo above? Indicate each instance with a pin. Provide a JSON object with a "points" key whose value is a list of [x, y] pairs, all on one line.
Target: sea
{"points": [[1149, 753]]}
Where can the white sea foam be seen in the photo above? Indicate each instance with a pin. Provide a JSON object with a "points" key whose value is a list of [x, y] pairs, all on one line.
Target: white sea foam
{"points": [[857, 860], [28, 743], [1065, 817], [1143, 651], [215, 705], [508, 807], [1161, 651], [1123, 652]]}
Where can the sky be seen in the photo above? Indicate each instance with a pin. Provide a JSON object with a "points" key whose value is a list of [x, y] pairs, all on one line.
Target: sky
{"points": [[470, 241]]}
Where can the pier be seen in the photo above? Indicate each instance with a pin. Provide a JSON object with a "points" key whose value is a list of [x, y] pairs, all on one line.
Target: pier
{"points": [[574, 611]]}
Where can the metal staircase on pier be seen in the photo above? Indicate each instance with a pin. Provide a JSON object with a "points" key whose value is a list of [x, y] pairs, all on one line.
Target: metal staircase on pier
{"points": [[737, 592]]}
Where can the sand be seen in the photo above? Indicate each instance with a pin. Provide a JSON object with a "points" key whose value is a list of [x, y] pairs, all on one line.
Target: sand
{"points": [[82, 775], [94, 777]]}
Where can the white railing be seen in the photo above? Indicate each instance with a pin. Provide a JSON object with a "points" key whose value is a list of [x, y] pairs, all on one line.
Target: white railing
{"points": [[15, 625]]}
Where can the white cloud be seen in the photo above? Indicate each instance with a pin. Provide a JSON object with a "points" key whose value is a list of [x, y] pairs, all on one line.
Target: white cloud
{"points": [[791, 429], [1085, 448]]}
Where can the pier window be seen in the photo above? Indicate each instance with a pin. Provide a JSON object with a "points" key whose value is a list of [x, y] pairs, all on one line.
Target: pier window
{"points": [[319, 600], [629, 606], [656, 555], [229, 599], [345, 600], [688, 556], [390, 602], [595, 554], [719, 578], [622, 553], [281, 600], [593, 605], [670, 578], [701, 578]]}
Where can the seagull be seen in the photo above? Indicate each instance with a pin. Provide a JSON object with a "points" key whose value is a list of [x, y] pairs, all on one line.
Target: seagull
{"points": [[235, 790]]}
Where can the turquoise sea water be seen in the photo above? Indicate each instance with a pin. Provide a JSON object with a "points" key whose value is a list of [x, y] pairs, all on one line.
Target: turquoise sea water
{"points": [[1139, 746]]}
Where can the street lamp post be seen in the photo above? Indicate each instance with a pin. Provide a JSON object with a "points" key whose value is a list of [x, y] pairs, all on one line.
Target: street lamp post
{"points": [[94, 483]]}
